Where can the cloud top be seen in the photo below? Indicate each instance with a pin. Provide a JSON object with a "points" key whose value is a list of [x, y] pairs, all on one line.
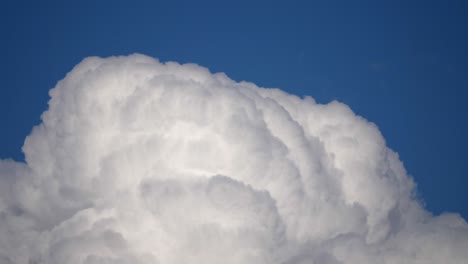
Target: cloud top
{"points": [[138, 161]]}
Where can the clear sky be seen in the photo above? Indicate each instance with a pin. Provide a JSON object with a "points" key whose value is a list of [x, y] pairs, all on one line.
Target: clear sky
{"points": [[401, 65]]}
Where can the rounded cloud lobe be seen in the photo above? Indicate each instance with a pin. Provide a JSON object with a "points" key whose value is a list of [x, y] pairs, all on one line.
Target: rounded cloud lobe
{"points": [[138, 161]]}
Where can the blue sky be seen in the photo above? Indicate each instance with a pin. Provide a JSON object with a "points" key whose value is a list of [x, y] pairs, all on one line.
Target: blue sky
{"points": [[401, 65]]}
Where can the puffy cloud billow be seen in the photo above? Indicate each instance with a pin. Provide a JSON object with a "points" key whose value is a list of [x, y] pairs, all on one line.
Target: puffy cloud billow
{"points": [[138, 161]]}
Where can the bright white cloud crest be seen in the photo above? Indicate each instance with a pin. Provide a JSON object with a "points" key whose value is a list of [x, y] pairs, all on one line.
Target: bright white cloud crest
{"points": [[138, 161]]}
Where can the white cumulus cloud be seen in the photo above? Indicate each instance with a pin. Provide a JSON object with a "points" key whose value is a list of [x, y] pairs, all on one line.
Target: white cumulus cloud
{"points": [[138, 161]]}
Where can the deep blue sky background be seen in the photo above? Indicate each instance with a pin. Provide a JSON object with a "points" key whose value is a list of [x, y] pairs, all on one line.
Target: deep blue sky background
{"points": [[400, 64]]}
